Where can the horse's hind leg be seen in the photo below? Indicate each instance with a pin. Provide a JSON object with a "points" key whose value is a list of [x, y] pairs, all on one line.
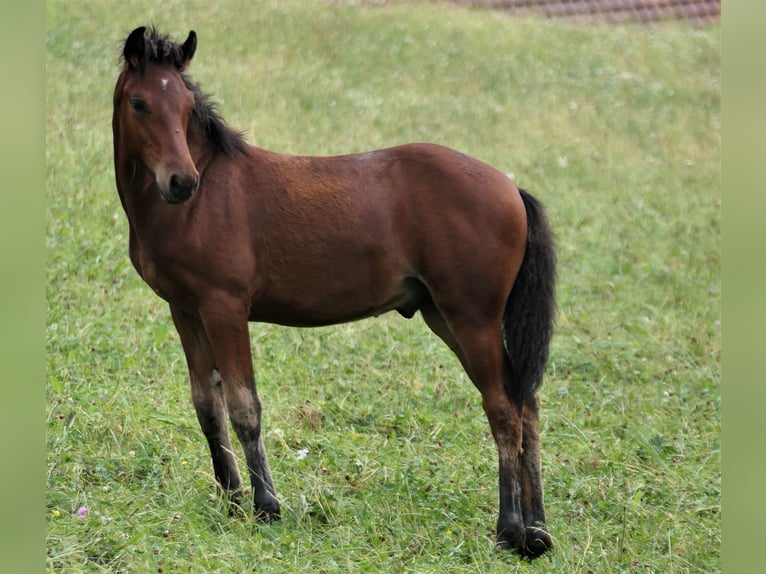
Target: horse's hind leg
{"points": [[207, 397], [436, 322], [482, 353], [531, 478], [487, 367]]}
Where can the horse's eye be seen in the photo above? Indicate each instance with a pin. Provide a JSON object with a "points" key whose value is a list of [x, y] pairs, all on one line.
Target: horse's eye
{"points": [[138, 105]]}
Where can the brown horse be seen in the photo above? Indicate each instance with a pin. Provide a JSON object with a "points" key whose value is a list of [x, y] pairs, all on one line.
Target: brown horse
{"points": [[227, 233]]}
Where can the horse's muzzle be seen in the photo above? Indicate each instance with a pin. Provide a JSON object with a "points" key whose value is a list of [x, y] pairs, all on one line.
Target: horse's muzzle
{"points": [[180, 188]]}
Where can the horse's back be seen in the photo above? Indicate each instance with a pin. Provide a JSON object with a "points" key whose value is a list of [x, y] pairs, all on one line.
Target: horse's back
{"points": [[400, 197], [414, 182]]}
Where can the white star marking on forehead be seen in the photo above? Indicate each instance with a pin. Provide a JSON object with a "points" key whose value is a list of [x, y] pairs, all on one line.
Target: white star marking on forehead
{"points": [[164, 83]]}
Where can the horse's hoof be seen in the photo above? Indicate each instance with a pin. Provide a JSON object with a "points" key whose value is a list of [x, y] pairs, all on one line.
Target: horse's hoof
{"points": [[536, 542], [530, 545], [267, 511]]}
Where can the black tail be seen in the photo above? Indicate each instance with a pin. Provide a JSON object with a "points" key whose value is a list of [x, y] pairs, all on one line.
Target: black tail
{"points": [[529, 312]]}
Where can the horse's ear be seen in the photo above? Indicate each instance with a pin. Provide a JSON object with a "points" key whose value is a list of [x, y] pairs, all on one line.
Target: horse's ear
{"points": [[135, 47], [188, 49]]}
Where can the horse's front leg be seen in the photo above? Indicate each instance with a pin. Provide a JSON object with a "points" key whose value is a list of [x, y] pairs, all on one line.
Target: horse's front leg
{"points": [[230, 341], [207, 396]]}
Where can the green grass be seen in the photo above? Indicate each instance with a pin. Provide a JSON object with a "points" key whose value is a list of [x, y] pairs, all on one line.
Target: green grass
{"points": [[616, 129]]}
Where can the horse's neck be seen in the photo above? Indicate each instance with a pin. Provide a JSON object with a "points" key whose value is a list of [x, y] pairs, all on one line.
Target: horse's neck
{"points": [[202, 151]]}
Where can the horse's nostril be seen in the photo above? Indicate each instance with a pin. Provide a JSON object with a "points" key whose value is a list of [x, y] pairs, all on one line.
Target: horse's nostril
{"points": [[182, 187]]}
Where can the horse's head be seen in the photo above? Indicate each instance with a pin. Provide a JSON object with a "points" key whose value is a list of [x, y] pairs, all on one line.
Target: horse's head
{"points": [[152, 107]]}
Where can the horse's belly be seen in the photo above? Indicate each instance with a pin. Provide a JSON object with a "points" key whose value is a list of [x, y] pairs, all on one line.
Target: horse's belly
{"points": [[318, 305]]}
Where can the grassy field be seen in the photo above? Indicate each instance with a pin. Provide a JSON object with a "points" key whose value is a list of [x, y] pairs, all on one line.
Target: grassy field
{"points": [[380, 451]]}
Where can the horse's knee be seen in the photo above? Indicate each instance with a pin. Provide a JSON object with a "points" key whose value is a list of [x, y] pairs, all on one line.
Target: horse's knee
{"points": [[244, 409]]}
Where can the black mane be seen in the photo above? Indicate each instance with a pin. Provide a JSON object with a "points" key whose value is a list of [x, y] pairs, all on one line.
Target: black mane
{"points": [[163, 50], [218, 132]]}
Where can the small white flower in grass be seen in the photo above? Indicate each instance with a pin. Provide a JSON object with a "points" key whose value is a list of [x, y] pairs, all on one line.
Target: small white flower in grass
{"points": [[563, 161], [302, 453]]}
